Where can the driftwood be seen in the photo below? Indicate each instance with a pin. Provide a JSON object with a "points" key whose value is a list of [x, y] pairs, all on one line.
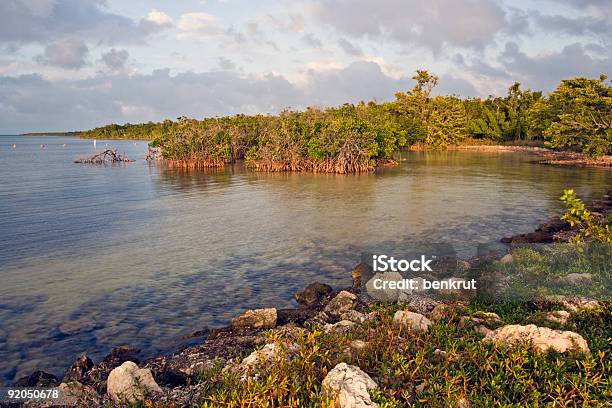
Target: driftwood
{"points": [[152, 154], [107, 156]]}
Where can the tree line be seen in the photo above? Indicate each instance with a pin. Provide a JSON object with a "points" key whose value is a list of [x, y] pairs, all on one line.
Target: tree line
{"points": [[576, 116]]}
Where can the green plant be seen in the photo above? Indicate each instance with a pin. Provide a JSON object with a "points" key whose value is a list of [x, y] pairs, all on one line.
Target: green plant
{"points": [[577, 215]]}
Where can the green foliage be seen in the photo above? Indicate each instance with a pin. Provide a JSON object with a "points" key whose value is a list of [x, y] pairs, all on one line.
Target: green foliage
{"points": [[437, 122], [578, 116], [578, 216], [354, 138], [398, 360]]}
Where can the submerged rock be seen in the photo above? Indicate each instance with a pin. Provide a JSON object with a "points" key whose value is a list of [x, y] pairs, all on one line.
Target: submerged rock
{"points": [[314, 294], [128, 383], [349, 386], [542, 338], [411, 321], [256, 318]]}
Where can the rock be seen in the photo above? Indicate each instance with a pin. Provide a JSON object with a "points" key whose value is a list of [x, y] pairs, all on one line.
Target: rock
{"points": [[419, 303], [257, 319], [447, 310], [558, 316], [342, 303], [314, 294], [575, 303], [486, 317], [78, 369], [506, 259], [356, 274], [353, 316], [341, 327], [542, 338], [577, 278], [412, 321], [37, 379], [463, 266], [70, 393], [386, 294], [267, 354], [297, 316], [358, 345], [182, 368], [481, 322], [349, 386], [98, 374], [128, 383]]}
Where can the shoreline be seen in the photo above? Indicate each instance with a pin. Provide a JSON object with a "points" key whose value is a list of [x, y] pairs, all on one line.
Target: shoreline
{"points": [[247, 332], [551, 157]]}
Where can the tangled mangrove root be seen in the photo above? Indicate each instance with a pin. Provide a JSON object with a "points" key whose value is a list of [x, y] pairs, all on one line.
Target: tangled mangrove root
{"points": [[107, 156]]}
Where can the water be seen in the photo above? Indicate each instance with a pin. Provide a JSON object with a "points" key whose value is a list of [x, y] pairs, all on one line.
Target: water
{"points": [[93, 257]]}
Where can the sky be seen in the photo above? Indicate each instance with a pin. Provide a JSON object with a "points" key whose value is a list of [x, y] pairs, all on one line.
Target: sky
{"points": [[78, 64]]}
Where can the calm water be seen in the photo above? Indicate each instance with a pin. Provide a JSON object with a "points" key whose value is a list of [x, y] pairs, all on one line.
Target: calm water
{"points": [[96, 256]]}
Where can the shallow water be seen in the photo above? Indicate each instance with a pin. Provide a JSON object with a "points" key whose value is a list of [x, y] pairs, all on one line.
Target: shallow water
{"points": [[96, 256]]}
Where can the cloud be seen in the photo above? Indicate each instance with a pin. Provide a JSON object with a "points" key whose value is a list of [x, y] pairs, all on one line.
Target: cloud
{"points": [[226, 64], [432, 24], [545, 71], [311, 40], [159, 18], [115, 59], [69, 54], [198, 23], [349, 47], [41, 21], [29, 102], [577, 26]]}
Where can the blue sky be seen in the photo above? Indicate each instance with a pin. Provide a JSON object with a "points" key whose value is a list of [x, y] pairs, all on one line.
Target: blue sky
{"points": [[76, 64]]}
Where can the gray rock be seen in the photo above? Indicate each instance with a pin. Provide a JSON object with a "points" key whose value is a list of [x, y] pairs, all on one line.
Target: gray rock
{"points": [[419, 303], [542, 338], [341, 327], [128, 383], [353, 316], [342, 303], [411, 321], [256, 318], [349, 386]]}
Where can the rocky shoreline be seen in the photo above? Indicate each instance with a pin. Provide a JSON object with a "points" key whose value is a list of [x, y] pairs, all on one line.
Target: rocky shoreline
{"points": [[121, 378], [557, 230]]}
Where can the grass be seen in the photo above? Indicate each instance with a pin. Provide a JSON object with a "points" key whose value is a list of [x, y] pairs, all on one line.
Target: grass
{"points": [[481, 373]]}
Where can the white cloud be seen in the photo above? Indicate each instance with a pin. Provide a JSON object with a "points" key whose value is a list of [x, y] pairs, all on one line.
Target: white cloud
{"points": [[159, 17], [197, 24]]}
